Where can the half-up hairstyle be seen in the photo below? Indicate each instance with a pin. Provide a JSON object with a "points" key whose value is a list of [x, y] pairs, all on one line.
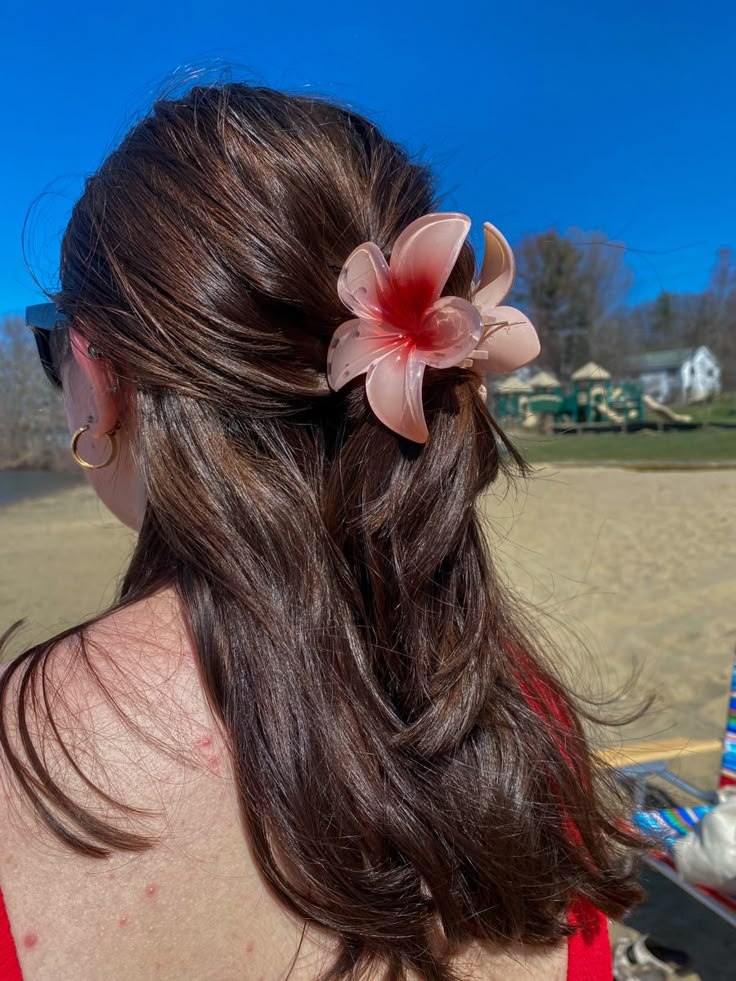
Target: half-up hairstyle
{"points": [[412, 775]]}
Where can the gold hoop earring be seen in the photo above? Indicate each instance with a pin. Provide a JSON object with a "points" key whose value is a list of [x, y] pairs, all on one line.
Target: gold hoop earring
{"points": [[95, 466]]}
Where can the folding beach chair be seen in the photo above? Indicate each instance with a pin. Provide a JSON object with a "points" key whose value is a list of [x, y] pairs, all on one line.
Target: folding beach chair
{"points": [[667, 824]]}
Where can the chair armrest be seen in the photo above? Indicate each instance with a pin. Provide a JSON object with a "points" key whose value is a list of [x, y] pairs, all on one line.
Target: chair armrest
{"points": [[638, 773]]}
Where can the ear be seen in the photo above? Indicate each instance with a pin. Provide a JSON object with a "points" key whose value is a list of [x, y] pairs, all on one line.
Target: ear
{"points": [[98, 373]]}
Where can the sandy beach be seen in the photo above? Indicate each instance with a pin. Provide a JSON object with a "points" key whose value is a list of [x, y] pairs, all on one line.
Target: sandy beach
{"points": [[60, 560], [634, 570], [626, 570]]}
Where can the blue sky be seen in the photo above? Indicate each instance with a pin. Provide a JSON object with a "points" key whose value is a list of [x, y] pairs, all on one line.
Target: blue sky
{"points": [[611, 116]]}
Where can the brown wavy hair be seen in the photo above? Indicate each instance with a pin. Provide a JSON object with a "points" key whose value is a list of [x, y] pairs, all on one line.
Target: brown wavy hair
{"points": [[412, 773]]}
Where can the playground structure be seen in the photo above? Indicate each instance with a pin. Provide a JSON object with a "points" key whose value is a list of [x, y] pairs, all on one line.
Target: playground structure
{"points": [[664, 411], [589, 399]]}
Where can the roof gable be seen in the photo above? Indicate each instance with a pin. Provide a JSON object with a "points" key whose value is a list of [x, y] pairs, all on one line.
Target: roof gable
{"points": [[670, 360], [590, 372], [543, 379], [512, 384]]}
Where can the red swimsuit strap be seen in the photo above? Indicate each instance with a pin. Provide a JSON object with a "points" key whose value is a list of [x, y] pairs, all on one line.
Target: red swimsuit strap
{"points": [[589, 955], [9, 966]]}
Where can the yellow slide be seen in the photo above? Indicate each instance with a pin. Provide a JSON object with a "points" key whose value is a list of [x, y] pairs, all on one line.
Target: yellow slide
{"points": [[609, 414], [598, 399], [664, 410]]}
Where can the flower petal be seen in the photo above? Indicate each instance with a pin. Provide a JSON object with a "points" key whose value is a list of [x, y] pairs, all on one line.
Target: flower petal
{"points": [[394, 389], [363, 280], [355, 345], [510, 345], [450, 330], [498, 271], [426, 252]]}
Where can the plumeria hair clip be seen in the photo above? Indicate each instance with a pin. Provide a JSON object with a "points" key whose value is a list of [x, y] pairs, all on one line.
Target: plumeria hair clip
{"points": [[402, 322]]}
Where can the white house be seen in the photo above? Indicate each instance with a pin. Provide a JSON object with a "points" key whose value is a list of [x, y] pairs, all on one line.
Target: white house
{"points": [[681, 375]]}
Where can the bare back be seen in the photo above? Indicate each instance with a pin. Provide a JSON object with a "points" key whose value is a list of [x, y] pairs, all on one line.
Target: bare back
{"points": [[194, 907]]}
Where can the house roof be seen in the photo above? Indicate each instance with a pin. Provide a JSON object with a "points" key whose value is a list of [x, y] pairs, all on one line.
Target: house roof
{"points": [[662, 360], [590, 372], [543, 379], [512, 384]]}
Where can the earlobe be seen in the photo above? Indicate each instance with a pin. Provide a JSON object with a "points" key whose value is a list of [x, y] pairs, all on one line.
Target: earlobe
{"points": [[98, 373]]}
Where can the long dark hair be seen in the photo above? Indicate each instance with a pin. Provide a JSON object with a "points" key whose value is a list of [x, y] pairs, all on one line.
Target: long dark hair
{"points": [[412, 774]]}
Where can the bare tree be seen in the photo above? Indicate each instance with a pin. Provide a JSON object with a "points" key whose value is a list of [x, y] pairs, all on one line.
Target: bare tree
{"points": [[572, 286], [689, 320], [718, 318], [32, 427], [546, 286]]}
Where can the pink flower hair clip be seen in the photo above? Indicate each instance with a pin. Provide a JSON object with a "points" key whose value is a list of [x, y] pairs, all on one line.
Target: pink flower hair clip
{"points": [[403, 323]]}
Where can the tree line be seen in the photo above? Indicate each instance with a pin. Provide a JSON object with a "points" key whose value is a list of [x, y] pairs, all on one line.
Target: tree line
{"points": [[33, 431], [573, 286]]}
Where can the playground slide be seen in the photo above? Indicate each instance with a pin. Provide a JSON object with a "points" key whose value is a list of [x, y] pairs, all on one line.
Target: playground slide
{"points": [[664, 410], [609, 414]]}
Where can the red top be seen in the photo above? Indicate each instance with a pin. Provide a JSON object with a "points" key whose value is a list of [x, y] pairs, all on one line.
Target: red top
{"points": [[589, 956], [9, 966]]}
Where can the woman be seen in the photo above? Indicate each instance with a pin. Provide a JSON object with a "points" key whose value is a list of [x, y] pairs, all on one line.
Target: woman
{"points": [[312, 737]]}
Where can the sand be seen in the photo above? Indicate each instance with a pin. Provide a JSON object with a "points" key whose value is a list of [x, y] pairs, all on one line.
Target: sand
{"points": [[60, 560], [641, 567], [635, 569]]}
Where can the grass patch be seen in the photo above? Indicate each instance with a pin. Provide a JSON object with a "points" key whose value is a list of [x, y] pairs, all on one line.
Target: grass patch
{"points": [[704, 446], [721, 409]]}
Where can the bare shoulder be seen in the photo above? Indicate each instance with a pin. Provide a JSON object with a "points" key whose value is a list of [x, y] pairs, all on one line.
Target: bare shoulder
{"points": [[129, 709], [114, 713], [130, 712], [130, 725], [120, 701]]}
